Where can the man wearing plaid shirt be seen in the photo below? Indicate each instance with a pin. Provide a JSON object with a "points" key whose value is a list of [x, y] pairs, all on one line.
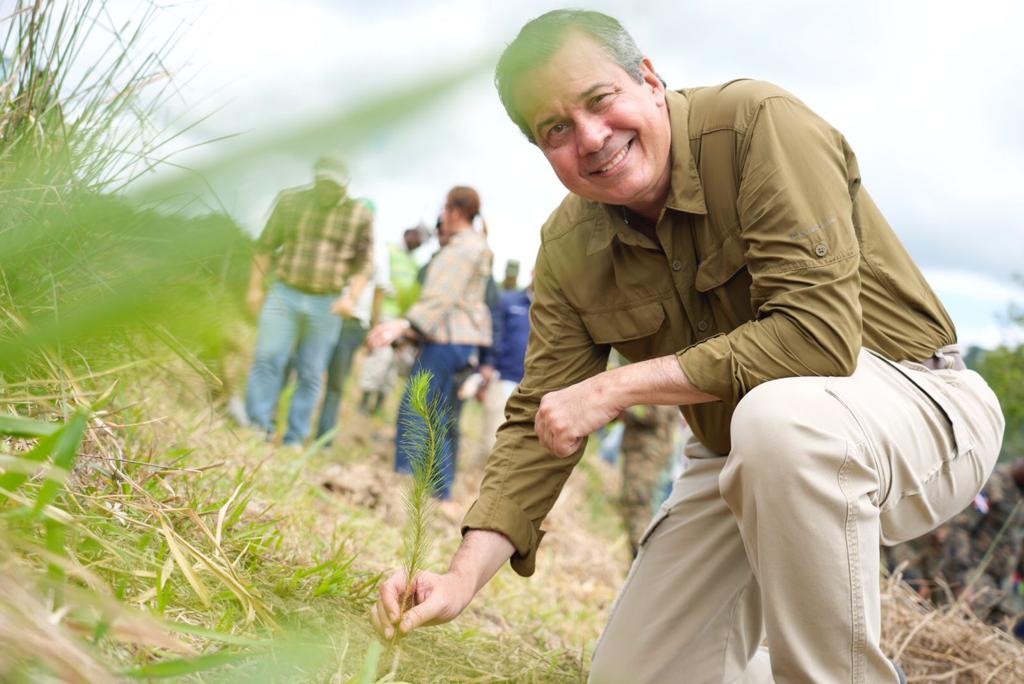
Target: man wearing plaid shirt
{"points": [[318, 240]]}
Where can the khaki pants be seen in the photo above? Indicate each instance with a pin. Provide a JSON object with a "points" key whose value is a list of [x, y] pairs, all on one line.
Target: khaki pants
{"points": [[780, 538]]}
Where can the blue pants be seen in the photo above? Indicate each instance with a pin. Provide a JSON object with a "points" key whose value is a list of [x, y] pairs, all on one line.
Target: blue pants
{"points": [[352, 336], [291, 320], [443, 361]]}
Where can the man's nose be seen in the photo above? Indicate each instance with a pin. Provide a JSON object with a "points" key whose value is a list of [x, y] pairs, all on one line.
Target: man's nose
{"points": [[591, 134]]}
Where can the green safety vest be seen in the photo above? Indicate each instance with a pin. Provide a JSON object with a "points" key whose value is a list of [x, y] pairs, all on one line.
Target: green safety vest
{"points": [[405, 289]]}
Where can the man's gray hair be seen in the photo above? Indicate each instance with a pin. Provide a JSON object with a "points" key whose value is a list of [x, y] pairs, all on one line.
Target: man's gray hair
{"points": [[540, 39]]}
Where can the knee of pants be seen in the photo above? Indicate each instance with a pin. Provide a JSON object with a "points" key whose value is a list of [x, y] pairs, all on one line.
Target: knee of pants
{"points": [[270, 359], [773, 430], [306, 375]]}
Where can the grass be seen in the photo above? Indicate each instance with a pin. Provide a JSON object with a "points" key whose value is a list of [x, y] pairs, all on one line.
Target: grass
{"points": [[182, 553], [140, 541]]}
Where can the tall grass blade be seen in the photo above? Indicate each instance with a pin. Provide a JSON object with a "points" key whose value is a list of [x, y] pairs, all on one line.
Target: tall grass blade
{"points": [[182, 667], [19, 426], [371, 662], [11, 480], [183, 563], [70, 438]]}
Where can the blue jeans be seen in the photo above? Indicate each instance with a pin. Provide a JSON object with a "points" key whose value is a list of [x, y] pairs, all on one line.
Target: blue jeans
{"points": [[291, 320], [352, 335], [443, 361]]}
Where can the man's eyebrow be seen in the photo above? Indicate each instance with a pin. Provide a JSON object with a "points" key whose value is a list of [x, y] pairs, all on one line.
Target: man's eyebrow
{"points": [[588, 93], [585, 95]]}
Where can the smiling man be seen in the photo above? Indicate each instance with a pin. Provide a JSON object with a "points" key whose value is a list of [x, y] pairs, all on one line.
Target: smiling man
{"points": [[720, 239]]}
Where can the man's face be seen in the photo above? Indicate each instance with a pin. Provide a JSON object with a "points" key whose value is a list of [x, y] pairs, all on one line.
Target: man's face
{"points": [[328, 192], [413, 240], [606, 136]]}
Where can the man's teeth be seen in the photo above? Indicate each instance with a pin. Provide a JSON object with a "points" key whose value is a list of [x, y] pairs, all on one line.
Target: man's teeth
{"points": [[616, 159]]}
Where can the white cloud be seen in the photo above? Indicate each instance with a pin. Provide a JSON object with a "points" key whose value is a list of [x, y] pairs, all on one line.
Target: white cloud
{"points": [[929, 94], [977, 286], [978, 304]]}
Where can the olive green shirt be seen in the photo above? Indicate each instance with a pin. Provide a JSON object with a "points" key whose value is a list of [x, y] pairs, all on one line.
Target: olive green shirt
{"points": [[773, 262]]}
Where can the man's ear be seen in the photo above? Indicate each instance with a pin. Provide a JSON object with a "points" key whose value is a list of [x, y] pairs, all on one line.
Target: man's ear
{"points": [[650, 76]]}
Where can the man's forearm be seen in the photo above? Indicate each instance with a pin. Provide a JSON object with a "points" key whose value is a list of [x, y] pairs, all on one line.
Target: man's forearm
{"points": [[658, 381], [480, 556], [357, 285], [258, 271]]}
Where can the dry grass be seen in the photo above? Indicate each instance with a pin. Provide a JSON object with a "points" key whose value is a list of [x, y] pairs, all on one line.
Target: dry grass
{"points": [[194, 546], [946, 644]]}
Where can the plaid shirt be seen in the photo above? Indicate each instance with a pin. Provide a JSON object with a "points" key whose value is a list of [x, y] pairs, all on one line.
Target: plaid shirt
{"points": [[451, 308], [318, 249]]}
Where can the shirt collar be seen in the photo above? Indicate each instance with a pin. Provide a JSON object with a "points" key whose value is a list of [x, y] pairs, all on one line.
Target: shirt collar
{"points": [[685, 191]]}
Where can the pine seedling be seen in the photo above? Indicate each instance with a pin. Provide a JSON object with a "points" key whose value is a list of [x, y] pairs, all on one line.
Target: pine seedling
{"points": [[424, 440]]}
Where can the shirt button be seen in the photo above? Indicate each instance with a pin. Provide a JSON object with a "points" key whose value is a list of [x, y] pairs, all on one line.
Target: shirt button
{"points": [[702, 326], [677, 265], [820, 249]]}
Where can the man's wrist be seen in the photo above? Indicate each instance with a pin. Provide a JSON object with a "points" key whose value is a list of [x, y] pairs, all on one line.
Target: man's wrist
{"points": [[655, 381], [479, 557], [613, 388]]}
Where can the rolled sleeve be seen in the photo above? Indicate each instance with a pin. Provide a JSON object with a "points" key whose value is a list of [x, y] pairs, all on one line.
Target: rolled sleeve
{"points": [[501, 514], [801, 248], [522, 480]]}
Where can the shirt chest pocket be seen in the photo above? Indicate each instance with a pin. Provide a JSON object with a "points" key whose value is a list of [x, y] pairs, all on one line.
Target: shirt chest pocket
{"points": [[723, 277], [632, 330]]}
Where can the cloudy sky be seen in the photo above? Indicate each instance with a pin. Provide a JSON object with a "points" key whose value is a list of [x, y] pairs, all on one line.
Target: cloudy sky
{"points": [[930, 94]]}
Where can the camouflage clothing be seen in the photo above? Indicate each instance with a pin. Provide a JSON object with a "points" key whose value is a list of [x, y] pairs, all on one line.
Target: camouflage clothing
{"points": [[918, 561], [973, 557], [647, 447]]}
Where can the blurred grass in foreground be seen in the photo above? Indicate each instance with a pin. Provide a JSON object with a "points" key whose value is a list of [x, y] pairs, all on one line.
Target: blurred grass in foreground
{"points": [[128, 549]]}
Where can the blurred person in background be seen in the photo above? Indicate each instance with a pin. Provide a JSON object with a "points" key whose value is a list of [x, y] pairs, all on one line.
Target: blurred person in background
{"points": [[317, 241], [649, 438], [450, 321], [354, 328], [511, 281], [501, 366], [351, 337], [396, 291]]}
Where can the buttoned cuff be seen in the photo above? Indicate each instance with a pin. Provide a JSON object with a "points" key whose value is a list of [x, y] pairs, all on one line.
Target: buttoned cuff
{"points": [[708, 366], [501, 514]]}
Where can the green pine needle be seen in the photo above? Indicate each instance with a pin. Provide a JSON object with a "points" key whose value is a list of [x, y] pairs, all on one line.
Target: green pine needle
{"points": [[424, 440]]}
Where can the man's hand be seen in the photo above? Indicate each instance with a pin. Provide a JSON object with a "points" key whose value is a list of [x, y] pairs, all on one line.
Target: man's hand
{"points": [[434, 599], [440, 598], [254, 301], [489, 375], [385, 333], [567, 416], [343, 306]]}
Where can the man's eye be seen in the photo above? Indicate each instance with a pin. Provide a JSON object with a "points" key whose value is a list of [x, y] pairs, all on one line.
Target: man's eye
{"points": [[600, 100], [557, 132]]}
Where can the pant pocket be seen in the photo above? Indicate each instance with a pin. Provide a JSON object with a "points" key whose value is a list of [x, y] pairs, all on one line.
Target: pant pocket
{"points": [[660, 516], [935, 388]]}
